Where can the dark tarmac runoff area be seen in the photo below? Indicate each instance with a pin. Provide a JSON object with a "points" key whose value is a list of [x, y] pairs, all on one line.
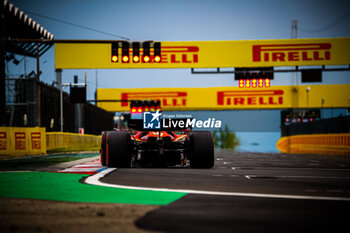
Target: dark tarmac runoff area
{"points": [[249, 192]]}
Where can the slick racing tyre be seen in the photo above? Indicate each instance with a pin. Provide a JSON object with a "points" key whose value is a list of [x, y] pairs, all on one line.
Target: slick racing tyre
{"points": [[202, 149], [104, 148], [118, 149]]}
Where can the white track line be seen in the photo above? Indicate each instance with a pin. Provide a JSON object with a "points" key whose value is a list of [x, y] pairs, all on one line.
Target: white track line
{"points": [[298, 177], [95, 180]]}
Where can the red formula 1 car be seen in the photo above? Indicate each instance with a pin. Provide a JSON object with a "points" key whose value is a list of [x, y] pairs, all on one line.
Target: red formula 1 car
{"points": [[138, 147]]}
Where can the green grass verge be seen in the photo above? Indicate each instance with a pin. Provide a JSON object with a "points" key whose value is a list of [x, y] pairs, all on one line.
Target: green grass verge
{"points": [[66, 187]]}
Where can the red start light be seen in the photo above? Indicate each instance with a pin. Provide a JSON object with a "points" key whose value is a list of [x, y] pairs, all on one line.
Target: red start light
{"points": [[241, 83], [125, 59], [114, 58], [139, 110], [146, 59], [254, 82], [247, 83], [133, 110], [157, 59], [136, 59], [267, 82]]}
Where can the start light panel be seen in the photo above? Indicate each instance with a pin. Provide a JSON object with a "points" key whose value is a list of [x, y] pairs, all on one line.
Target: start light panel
{"points": [[254, 83]]}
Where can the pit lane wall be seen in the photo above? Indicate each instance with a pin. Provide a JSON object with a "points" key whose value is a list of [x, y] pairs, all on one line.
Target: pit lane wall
{"points": [[22, 141], [31, 141], [61, 142], [330, 144]]}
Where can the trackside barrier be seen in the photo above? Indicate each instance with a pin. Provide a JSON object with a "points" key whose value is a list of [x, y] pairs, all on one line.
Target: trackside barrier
{"points": [[22, 141], [60, 142], [332, 144]]}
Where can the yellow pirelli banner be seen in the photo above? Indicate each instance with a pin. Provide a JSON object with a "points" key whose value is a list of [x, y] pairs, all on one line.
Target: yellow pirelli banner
{"points": [[211, 54], [229, 98], [22, 141]]}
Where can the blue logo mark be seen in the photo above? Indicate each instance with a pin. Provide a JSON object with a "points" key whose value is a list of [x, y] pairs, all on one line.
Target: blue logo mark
{"points": [[151, 120]]}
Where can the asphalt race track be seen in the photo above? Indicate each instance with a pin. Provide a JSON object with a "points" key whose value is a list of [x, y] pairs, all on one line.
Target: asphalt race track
{"points": [[248, 192]]}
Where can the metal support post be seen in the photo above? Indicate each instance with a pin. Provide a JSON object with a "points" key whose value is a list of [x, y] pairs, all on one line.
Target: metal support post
{"points": [[38, 95], [59, 84], [78, 117], [79, 108], [295, 99], [2, 67]]}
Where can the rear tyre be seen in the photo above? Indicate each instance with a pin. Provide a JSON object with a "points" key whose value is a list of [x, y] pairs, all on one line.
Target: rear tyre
{"points": [[202, 149], [118, 149], [104, 148]]}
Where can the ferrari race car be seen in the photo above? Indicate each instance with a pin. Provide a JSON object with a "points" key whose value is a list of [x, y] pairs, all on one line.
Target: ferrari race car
{"points": [[139, 147]]}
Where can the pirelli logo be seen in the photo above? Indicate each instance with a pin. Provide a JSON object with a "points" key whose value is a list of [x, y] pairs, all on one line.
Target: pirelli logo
{"points": [[36, 140], [167, 98], [250, 98], [20, 140], [3, 141], [179, 54], [292, 52]]}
